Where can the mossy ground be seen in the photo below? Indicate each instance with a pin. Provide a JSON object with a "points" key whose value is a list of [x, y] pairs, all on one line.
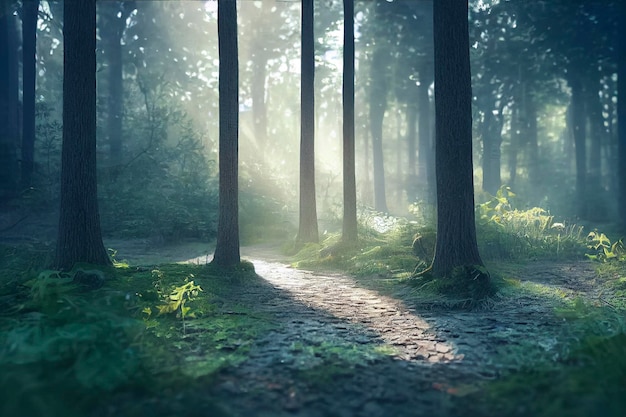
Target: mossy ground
{"points": [[60, 340], [587, 378]]}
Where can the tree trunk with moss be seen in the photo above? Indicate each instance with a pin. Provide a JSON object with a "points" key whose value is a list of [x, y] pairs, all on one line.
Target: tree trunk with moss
{"points": [[456, 230]]}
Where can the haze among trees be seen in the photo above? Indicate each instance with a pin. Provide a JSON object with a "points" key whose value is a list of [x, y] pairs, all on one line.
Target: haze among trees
{"points": [[282, 197]]}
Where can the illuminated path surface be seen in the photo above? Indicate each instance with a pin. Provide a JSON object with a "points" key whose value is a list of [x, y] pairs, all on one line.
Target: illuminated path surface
{"points": [[391, 359]]}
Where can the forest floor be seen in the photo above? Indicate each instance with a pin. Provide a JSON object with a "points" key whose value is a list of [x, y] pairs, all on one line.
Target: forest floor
{"points": [[346, 346]]}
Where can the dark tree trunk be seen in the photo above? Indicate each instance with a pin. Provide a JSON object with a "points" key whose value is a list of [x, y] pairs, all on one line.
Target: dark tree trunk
{"points": [[377, 107], [597, 135], [621, 115], [227, 252], [579, 132], [456, 231], [114, 30], [349, 233], [534, 166], [307, 231], [259, 76], [80, 238], [426, 154], [412, 189], [492, 139], [516, 124], [9, 129], [29, 64]]}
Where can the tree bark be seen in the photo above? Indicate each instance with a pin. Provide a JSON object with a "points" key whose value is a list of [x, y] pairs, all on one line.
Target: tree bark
{"points": [[30, 10], [259, 77], [456, 230], [377, 107], [412, 188], [426, 154], [492, 140], [621, 115], [307, 231], [578, 129], [349, 232], [9, 130], [227, 250], [113, 31], [80, 237]]}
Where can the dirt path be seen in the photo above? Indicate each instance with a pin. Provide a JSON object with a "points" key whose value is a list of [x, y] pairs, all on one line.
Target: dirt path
{"points": [[429, 354]]}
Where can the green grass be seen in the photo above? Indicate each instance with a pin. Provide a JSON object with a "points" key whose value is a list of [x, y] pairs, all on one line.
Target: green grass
{"points": [[60, 339]]}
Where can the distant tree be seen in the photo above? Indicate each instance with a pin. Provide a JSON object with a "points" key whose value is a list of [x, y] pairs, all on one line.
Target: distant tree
{"points": [[307, 230], [80, 238], [456, 230], [113, 18], [227, 251], [621, 112], [9, 130], [349, 233], [377, 107], [30, 11]]}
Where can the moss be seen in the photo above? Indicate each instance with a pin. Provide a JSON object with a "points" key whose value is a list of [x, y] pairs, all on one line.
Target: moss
{"points": [[59, 341]]}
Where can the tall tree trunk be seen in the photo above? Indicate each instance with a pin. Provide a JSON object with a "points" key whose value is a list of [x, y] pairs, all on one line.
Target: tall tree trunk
{"points": [[349, 231], [227, 251], [492, 139], [80, 237], [9, 129], [426, 154], [411, 141], [579, 129], [30, 10], [377, 107], [516, 125], [456, 230], [259, 77], [597, 135], [115, 25], [621, 115], [598, 140], [307, 231], [532, 142]]}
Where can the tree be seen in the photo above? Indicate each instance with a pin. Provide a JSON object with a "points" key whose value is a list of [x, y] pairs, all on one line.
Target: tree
{"points": [[621, 113], [377, 107], [456, 230], [79, 238], [307, 230], [114, 17], [227, 252], [9, 130], [349, 232], [30, 10]]}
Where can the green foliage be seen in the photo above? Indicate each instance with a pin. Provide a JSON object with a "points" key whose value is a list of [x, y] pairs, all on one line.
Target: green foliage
{"points": [[59, 341], [166, 190], [505, 232], [605, 251], [467, 287], [383, 249]]}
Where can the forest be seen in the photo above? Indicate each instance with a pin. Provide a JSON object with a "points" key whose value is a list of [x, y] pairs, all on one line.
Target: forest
{"points": [[312, 208]]}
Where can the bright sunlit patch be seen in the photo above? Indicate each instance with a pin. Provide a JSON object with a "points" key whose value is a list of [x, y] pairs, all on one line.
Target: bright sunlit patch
{"points": [[406, 335]]}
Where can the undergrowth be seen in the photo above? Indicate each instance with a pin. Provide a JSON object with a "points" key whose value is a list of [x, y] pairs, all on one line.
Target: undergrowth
{"points": [[149, 331]]}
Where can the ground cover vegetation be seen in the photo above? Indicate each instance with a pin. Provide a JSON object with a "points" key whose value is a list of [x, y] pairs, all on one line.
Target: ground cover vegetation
{"points": [[162, 338]]}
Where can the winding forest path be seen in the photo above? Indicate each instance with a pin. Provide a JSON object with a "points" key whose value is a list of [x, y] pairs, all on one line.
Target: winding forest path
{"points": [[431, 355]]}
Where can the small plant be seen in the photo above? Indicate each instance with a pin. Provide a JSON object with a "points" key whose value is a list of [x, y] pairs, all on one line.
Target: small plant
{"points": [[605, 251], [175, 302]]}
